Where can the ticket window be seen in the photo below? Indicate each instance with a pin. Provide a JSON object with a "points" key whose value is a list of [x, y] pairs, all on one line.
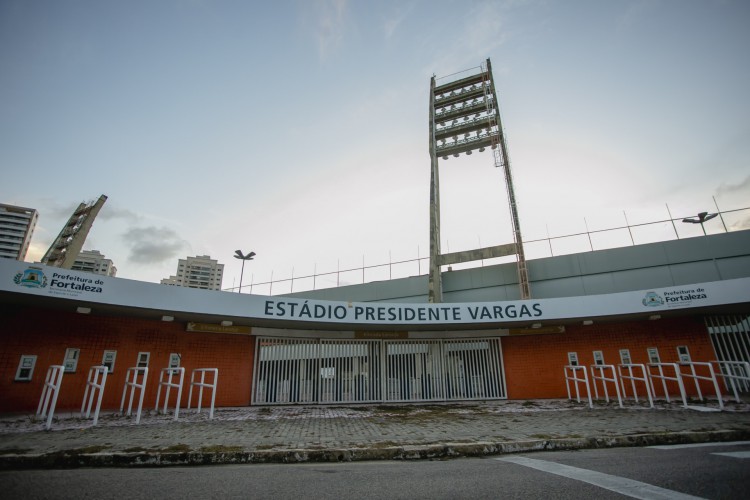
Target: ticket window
{"points": [[598, 358], [653, 355], [108, 360], [143, 358], [573, 358], [71, 359], [174, 360], [683, 354], [625, 358], [26, 368]]}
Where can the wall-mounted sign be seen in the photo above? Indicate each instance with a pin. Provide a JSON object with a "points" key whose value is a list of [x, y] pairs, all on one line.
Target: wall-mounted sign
{"points": [[213, 328], [381, 335], [536, 331]]}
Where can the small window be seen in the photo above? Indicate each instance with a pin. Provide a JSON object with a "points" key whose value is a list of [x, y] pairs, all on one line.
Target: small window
{"points": [[108, 360], [174, 360], [71, 359], [625, 357], [26, 367], [683, 354], [143, 359], [598, 358], [573, 358], [653, 355]]}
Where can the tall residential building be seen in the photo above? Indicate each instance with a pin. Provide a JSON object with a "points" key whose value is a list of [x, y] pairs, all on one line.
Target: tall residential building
{"points": [[16, 228], [197, 272], [92, 261]]}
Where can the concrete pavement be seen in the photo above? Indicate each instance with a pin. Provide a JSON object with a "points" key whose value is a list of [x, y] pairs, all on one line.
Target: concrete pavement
{"points": [[358, 432]]}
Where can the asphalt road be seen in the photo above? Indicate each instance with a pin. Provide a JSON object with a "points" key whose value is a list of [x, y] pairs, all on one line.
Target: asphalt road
{"points": [[715, 470]]}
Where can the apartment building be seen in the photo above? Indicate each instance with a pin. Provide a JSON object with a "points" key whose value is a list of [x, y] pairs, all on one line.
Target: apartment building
{"points": [[16, 228], [197, 272], [92, 261]]}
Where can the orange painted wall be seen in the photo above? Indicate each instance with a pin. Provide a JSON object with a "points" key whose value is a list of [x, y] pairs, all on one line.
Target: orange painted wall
{"points": [[47, 334], [534, 364]]}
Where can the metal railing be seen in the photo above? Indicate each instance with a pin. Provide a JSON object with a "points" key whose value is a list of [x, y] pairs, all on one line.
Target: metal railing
{"points": [[535, 249]]}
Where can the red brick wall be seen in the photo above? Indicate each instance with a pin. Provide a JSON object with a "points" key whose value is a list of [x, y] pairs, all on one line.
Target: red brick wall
{"points": [[47, 334], [534, 363]]}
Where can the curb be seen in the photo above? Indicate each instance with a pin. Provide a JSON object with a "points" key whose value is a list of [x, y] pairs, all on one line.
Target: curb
{"points": [[73, 459]]}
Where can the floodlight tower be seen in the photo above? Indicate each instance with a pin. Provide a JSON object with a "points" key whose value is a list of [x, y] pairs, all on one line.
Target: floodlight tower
{"points": [[464, 117], [66, 247]]}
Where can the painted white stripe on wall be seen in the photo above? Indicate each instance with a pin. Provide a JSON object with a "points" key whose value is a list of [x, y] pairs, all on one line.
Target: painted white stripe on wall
{"points": [[622, 485]]}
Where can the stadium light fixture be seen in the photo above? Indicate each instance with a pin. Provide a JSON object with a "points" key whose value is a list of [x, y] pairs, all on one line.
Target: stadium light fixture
{"points": [[700, 219], [239, 255]]}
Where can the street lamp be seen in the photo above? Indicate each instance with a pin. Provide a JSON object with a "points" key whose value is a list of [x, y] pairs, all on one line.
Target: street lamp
{"points": [[702, 217], [238, 255]]}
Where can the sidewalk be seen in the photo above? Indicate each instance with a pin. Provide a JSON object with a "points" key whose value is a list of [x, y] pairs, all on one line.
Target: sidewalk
{"points": [[366, 432]]}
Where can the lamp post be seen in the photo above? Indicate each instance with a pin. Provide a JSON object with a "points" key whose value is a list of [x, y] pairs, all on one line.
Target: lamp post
{"points": [[239, 255], [702, 217]]}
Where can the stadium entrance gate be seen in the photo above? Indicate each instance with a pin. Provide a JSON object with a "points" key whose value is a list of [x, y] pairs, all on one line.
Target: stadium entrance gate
{"points": [[310, 371]]}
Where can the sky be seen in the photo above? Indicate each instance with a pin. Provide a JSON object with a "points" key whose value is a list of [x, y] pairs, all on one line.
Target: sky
{"points": [[298, 129]]}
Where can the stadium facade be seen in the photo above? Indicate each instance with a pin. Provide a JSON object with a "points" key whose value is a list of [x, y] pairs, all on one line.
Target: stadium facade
{"points": [[382, 342]]}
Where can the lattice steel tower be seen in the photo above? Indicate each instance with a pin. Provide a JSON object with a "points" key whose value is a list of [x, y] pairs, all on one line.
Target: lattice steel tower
{"points": [[464, 117]]}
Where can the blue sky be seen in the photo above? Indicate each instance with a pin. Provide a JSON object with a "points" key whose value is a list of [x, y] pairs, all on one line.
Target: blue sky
{"points": [[298, 129]]}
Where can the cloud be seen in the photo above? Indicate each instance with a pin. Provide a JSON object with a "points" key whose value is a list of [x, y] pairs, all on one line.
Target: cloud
{"points": [[725, 188], [740, 225], [477, 33], [109, 213], [330, 30], [152, 244], [390, 25]]}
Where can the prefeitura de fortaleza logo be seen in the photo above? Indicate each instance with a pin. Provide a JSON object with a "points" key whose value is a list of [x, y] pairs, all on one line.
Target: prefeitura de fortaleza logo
{"points": [[652, 299], [32, 277]]}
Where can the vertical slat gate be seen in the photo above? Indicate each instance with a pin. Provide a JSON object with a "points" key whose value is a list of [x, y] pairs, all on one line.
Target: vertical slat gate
{"points": [[730, 336], [302, 370]]}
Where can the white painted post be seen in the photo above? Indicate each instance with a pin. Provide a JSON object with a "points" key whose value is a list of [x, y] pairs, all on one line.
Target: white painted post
{"points": [[48, 401], [677, 378], [604, 380], [169, 385], [201, 385], [96, 381], [644, 378], [131, 382], [576, 380], [734, 370], [711, 377]]}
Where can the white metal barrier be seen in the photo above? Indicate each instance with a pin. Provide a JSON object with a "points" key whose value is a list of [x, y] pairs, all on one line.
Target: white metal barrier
{"points": [[48, 401], [209, 385], [131, 382], [633, 379], [96, 381], [677, 378], [603, 377], [735, 371], [571, 372], [169, 372], [696, 378]]}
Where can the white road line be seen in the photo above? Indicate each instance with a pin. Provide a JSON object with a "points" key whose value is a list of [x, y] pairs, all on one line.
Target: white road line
{"points": [[734, 454], [622, 485], [697, 445]]}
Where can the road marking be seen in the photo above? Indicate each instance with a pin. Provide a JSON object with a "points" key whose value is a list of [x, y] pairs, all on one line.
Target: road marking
{"points": [[697, 445], [734, 454], [622, 485]]}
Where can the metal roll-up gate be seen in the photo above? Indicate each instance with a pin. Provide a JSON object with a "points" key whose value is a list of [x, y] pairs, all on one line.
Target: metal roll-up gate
{"points": [[309, 371]]}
